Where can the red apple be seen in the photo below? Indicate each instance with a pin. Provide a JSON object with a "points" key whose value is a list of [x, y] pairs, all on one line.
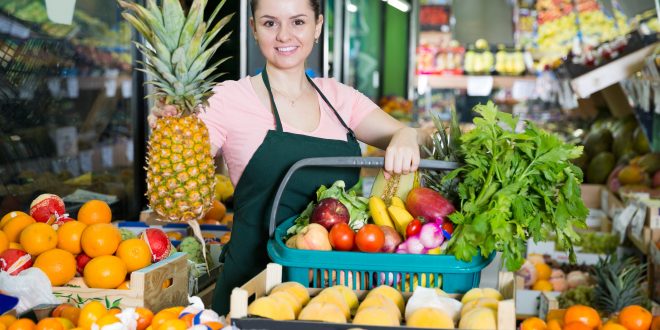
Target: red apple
{"points": [[158, 242], [47, 208], [81, 261], [14, 261], [329, 212], [429, 204]]}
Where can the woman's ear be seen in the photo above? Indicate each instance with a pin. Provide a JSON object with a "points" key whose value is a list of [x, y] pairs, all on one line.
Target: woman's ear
{"points": [[319, 27], [253, 27]]}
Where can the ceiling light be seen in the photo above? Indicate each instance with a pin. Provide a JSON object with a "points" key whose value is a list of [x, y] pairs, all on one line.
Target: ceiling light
{"points": [[401, 5]]}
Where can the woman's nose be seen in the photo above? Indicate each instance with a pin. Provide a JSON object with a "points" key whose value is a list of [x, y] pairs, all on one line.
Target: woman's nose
{"points": [[283, 33]]}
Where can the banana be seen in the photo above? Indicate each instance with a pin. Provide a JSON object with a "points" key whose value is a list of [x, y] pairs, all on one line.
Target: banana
{"points": [[401, 217], [378, 211]]}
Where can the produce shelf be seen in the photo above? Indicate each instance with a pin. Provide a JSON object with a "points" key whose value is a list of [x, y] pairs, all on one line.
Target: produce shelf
{"points": [[461, 82], [611, 73]]}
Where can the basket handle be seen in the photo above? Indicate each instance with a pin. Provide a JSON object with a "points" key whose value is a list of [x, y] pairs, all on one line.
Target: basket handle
{"points": [[370, 162]]}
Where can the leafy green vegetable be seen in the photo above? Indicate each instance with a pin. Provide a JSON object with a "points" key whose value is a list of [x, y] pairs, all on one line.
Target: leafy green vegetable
{"points": [[515, 185], [357, 206]]}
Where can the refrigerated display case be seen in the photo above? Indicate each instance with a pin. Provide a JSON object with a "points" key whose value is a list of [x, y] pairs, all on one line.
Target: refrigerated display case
{"points": [[71, 107]]}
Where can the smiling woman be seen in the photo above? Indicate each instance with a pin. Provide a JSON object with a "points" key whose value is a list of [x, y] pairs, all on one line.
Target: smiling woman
{"points": [[265, 123]]}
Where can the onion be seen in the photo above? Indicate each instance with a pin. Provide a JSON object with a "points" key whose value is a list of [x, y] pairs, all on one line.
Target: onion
{"points": [[431, 235], [402, 248], [392, 239], [415, 245]]}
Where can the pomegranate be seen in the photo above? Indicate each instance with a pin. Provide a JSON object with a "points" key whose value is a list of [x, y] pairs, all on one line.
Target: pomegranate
{"points": [[15, 261], [158, 242], [47, 208]]}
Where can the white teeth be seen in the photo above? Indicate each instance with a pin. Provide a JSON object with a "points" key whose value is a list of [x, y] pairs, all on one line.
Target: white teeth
{"points": [[286, 49]]}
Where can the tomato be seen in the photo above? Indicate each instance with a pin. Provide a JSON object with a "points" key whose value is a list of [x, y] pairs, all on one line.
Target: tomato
{"points": [[447, 229], [370, 238], [341, 237], [413, 228]]}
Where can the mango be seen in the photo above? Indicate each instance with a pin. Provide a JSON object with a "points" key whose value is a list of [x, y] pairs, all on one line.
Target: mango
{"points": [[401, 218], [378, 211], [271, 308], [481, 302], [336, 298], [478, 319], [349, 296], [324, 312], [288, 298], [380, 301], [375, 316], [295, 288], [430, 318], [477, 293], [391, 293]]}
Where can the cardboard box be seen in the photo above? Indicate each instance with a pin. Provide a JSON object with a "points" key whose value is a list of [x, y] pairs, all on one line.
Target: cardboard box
{"points": [[602, 204], [528, 301]]}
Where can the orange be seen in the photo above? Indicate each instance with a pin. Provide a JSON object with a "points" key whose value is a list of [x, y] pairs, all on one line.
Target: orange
{"points": [[613, 326], [69, 235], [50, 323], [635, 317], [107, 319], [57, 311], [66, 323], [175, 324], [95, 211], [144, 319], [542, 285], [655, 324], [101, 239], [162, 317], [114, 311], [71, 313], [554, 325], [174, 235], [17, 246], [135, 253], [577, 326], [228, 218], [104, 272], [4, 241], [167, 283], [583, 314], [216, 212], [7, 319], [188, 318], [176, 310], [90, 313], [10, 216], [38, 238], [15, 226], [23, 324], [543, 270], [124, 285], [59, 266], [533, 323], [214, 325], [556, 314]]}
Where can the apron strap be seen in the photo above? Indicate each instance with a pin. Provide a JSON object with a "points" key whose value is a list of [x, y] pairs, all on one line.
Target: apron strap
{"points": [[278, 121]]}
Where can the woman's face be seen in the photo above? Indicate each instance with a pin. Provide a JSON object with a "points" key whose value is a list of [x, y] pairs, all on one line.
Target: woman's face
{"points": [[285, 31]]}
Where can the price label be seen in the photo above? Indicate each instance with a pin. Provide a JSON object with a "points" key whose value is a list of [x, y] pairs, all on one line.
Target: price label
{"points": [[637, 222], [622, 221]]}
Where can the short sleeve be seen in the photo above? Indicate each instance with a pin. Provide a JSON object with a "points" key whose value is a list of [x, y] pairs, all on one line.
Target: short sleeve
{"points": [[361, 106], [212, 117]]}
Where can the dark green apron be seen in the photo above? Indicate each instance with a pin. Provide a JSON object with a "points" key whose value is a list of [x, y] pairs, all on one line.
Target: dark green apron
{"points": [[245, 255]]}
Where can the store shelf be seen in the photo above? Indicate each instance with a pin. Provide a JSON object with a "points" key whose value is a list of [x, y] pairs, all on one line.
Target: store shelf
{"points": [[96, 83], [461, 82], [611, 73]]}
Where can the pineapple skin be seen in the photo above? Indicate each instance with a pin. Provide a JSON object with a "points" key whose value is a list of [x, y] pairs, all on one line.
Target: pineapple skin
{"points": [[180, 169]]}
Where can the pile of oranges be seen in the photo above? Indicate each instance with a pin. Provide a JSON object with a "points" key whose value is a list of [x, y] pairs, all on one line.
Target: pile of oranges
{"points": [[580, 317], [94, 313], [90, 247]]}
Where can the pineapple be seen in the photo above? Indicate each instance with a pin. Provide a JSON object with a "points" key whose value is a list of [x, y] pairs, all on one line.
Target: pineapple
{"points": [[177, 48], [618, 284], [446, 148]]}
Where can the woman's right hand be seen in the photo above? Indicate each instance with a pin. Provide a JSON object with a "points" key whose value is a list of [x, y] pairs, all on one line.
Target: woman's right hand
{"points": [[159, 110]]}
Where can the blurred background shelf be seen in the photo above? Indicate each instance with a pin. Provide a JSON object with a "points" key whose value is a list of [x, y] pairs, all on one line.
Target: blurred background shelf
{"points": [[461, 82]]}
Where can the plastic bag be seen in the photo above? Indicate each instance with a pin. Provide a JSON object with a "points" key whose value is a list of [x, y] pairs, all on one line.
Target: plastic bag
{"points": [[31, 287]]}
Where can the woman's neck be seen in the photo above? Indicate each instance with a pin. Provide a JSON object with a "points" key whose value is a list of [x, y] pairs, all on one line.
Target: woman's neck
{"points": [[291, 82]]}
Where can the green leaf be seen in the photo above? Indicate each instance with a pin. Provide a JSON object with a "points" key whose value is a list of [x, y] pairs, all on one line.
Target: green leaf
{"points": [[193, 21], [173, 19]]}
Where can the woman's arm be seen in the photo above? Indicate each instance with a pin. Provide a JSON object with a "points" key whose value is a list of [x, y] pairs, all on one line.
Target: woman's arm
{"points": [[400, 142]]}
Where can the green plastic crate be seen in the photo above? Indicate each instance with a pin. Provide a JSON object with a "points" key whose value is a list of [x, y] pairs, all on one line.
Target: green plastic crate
{"points": [[363, 271]]}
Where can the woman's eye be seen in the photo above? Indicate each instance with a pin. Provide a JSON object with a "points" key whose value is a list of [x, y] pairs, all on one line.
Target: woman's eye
{"points": [[298, 22], [269, 24]]}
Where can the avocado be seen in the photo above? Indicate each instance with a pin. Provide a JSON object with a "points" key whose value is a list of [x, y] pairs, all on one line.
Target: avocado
{"points": [[582, 161], [640, 142], [623, 138], [650, 162], [597, 141], [600, 167]]}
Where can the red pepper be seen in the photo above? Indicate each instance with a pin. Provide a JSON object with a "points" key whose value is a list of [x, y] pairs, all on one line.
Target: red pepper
{"points": [[413, 228]]}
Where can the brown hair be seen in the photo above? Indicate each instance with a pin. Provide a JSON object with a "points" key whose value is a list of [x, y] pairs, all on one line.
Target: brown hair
{"points": [[315, 4]]}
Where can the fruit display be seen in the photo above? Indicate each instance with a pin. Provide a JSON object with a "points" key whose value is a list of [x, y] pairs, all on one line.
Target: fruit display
{"points": [[381, 306], [631, 317], [398, 107], [180, 187], [509, 62], [479, 60], [541, 276]]}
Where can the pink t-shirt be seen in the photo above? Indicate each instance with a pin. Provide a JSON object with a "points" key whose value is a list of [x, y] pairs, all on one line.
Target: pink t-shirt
{"points": [[238, 122]]}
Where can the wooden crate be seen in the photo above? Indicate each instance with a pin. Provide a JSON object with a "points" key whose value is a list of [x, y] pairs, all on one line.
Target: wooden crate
{"points": [[527, 300], [146, 288], [261, 284]]}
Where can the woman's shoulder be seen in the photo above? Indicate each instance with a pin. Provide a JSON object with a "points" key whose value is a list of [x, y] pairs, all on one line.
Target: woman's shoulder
{"points": [[229, 88]]}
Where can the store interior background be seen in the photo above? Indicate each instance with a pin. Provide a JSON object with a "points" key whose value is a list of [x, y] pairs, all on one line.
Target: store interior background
{"points": [[73, 113]]}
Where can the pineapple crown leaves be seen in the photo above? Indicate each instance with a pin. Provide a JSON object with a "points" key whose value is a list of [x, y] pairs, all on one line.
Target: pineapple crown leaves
{"points": [[178, 48], [618, 284]]}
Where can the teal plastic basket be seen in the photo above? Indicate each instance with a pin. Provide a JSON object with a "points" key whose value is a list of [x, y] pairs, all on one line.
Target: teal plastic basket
{"points": [[364, 271]]}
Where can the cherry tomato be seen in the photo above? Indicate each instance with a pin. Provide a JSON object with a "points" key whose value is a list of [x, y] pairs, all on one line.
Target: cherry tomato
{"points": [[370, 238], [413, 228], [447, 229], [341, 237]]}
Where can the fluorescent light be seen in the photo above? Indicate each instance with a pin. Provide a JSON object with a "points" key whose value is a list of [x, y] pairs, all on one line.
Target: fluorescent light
{"points": [[401, 5], [351, 8]]}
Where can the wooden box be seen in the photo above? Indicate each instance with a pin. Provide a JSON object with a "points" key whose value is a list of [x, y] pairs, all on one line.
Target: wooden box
{"points": [[146, 287], [261, 284]]}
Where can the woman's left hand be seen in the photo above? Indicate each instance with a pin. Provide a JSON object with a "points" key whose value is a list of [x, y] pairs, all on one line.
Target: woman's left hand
{"points": [[402, 154]]}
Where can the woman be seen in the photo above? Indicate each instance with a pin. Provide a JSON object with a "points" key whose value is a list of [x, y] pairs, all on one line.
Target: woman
{"points": [[264, 124]]}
